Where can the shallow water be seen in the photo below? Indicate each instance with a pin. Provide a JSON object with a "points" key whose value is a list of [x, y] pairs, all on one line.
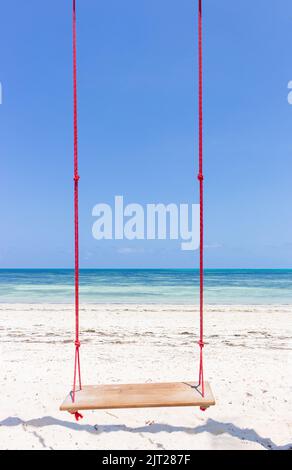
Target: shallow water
{"points": [[170, 286]]}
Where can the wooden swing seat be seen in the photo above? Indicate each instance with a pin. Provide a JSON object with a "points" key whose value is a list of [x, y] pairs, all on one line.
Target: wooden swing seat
{"points": [[148, 395]]}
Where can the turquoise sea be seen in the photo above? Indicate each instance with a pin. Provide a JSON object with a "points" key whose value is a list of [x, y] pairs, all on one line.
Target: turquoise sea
{"points": [[171, 286]]}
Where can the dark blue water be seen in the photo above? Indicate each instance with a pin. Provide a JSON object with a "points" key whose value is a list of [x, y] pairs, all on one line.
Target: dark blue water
{"points": [[174, 286]]}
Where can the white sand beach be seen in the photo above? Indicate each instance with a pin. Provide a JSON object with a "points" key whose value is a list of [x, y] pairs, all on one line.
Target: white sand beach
{"points": [[248, 360]]}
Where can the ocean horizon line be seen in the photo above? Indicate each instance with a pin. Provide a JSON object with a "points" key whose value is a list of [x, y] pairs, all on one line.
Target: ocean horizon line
{"points": [[144, 269]]}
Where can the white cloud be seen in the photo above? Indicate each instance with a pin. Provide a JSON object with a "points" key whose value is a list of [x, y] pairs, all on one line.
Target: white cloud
{"points": [[127, 250]]}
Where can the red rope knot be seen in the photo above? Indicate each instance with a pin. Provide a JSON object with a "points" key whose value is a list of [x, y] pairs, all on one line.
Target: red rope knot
{"points": [[77, 344], [76, 178], [200, 177], [78, 415], [201, 344]]}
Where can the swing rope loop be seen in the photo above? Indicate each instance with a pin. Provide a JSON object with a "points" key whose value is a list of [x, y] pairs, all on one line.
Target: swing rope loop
{"points": [[201, 182], [77, 369]]}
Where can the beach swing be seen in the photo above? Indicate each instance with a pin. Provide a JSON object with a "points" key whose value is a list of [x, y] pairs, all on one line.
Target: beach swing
{"points": [[148, 395]]}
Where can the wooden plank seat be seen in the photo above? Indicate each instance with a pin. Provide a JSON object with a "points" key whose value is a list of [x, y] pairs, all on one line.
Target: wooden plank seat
{"points": [[147, 395]]}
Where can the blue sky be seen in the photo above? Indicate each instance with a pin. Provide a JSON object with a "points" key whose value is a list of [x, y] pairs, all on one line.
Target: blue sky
{"points": [[137, 101]]}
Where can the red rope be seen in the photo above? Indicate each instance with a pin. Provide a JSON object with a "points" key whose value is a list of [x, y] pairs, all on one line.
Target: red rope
{"points": [[201, 181], [77, 415], [76, 221]]}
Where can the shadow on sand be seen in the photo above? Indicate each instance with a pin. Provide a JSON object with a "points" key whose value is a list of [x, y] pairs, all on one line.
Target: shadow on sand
{"points": [[213, 427]]}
